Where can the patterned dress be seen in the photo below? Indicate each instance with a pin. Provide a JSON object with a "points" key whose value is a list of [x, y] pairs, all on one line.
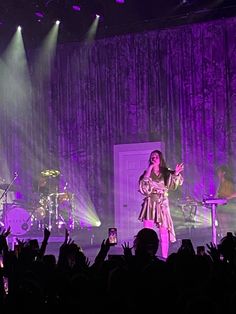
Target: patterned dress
{"points": [[155, 205]]}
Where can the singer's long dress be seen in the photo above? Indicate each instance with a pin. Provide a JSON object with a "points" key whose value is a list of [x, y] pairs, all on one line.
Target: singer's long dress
{"points": [[155, 205]]}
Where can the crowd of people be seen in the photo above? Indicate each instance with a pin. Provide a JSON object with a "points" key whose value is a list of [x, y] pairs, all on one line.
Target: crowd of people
{"points": [[137, 280]]}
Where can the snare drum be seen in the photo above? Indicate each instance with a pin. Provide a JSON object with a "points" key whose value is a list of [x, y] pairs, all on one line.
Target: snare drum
{"points": [[18, 219]]}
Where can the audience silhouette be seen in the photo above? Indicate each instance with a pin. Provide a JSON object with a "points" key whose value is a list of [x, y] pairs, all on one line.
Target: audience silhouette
{"points": [[134, 281]]}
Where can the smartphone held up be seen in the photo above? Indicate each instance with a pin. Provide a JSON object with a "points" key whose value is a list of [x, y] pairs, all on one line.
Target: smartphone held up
{"points": [[112, 236]]}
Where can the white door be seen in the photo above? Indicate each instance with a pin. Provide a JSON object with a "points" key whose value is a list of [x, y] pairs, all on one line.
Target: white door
{"points": [[130, 161]]}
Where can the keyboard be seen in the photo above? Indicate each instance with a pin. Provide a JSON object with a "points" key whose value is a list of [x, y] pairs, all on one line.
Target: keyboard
{"points": [[216, 201]]}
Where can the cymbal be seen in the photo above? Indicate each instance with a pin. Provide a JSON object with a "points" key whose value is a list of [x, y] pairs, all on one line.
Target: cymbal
{"points": [[56, 194], [59, 194], [13, 188], [63, 196], [50, 173]]}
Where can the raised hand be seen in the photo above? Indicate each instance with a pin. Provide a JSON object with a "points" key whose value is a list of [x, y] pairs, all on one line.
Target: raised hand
{"points": [[213, 251], [70, 241], [105, 247], [66, 236], [21, 243], [46, 234], [99, 259], [87, 262], [5, 233], [8, 231], [179, 168], [3, 238], [127, 249]]}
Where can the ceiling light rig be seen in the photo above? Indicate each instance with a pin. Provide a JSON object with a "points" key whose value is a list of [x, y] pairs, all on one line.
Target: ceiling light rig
{"points": [[116, 16], [39, 11], [39, 15]]}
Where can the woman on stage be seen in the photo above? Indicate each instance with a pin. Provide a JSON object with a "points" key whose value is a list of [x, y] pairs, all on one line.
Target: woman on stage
{"points": [[155, 183]]}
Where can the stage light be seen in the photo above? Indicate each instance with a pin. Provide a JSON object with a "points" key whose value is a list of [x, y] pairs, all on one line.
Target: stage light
{"points": [[120, 1], [76, 7], [19, 28], [98, 223], [91, 33], [39, 14], [57, 22]]}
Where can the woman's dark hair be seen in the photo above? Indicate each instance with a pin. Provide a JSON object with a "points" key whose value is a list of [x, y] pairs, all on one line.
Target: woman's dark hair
{"points": [[163, 168], [162, 160]]}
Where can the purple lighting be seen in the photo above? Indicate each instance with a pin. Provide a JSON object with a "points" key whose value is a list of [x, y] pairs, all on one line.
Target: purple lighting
{"points": [[120, 1], [76, 7], [39, 14]]}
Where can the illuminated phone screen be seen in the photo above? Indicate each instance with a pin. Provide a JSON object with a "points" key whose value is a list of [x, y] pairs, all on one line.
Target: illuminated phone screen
{"points": [[112, 235]]}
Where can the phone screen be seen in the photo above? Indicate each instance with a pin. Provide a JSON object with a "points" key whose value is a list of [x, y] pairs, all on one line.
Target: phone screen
{"points": [[1, 261], [5, 284], [200, 250], [112, 236]]}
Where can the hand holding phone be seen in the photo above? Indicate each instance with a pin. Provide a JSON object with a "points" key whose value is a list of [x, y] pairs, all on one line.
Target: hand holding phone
{"points": [[112, 236]]}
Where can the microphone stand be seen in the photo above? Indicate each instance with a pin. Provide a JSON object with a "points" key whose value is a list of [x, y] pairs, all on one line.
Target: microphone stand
{"points": [[5, 194], [8, 187]]}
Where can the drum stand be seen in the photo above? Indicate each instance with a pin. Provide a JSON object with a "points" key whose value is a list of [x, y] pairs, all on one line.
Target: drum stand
{"points": [[55, 218], [58, 217], [71, 214], [50, 211], [54, 205]]}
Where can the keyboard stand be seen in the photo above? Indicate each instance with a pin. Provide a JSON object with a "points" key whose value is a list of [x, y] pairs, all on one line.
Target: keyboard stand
{"points": [[213, 203]]}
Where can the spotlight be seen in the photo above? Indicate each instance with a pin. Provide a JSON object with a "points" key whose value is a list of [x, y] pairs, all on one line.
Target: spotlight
{"points": [[97, 16], [98, 223], [57, 22], [19, 28]]}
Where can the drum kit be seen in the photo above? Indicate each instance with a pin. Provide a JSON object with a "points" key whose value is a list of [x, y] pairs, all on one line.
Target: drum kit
{"points": [[46, 207]]}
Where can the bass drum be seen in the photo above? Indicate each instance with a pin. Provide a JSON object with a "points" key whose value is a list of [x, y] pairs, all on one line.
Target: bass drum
{"points": [[18, 219]]}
